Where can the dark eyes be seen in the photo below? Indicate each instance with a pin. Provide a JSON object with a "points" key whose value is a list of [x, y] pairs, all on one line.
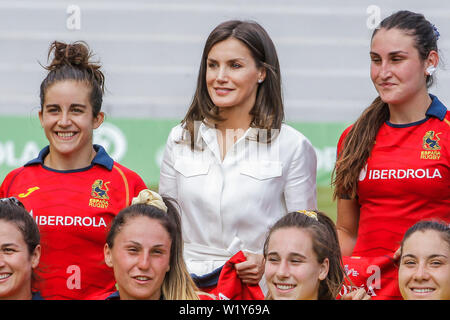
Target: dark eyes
{"points": [[8, 250]]}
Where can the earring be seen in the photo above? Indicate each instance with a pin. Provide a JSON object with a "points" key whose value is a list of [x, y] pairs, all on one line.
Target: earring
{"points": [[260, 80], [431, 70]]}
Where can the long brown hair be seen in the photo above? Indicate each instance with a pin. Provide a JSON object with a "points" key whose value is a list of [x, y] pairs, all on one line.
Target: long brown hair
{"points": [[358, 144], [268, 111]]}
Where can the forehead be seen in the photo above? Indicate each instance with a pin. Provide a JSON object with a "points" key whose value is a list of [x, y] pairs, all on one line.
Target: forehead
{"points": [[425, 243], [143, 230], [390, 40], [70, 89], [231, 48], [291, 240], [10, 233]]}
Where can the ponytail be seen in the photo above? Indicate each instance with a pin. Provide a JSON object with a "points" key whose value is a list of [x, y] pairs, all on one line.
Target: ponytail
{"points": [[357, 147]]}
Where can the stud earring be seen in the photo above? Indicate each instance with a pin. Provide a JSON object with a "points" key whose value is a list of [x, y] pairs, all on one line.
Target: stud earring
{"points": [[431, 70]]}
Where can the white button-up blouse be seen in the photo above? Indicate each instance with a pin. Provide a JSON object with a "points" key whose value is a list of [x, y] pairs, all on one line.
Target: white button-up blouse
{"points": [[229, 205]]}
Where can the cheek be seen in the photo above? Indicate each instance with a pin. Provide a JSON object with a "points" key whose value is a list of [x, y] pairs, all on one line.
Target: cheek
{"points": [[269, 271], [162, 265], [374, 71]]}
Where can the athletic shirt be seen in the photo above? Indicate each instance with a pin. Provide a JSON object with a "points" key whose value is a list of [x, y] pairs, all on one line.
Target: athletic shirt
{"points": [[73, 210], [406, 179]]}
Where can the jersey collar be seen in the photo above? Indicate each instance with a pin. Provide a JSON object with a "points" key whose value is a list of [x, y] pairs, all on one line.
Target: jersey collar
{"points": [[101, 158], [436, 109]]}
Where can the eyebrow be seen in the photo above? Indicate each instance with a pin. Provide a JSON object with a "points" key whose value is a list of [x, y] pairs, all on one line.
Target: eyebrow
{"points": [[429, 257], [291, 254], [139, 245], [393, 53], [230, 60], [71, 106], [5, 245]]}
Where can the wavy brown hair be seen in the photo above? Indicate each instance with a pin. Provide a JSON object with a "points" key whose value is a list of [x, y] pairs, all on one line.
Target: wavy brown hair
{"points": [[72, 62], [268, 111], [358, 144]]}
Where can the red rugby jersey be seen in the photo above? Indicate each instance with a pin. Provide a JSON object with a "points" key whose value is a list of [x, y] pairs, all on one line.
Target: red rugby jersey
{"points": [[73, 210], [406, 179]]}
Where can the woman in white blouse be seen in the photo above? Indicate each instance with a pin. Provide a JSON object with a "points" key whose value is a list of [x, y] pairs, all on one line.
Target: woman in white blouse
{"points": [[231, 164]]}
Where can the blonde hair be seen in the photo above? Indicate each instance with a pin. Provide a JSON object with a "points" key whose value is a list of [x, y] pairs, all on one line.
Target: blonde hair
{"points": [[177, 284]]}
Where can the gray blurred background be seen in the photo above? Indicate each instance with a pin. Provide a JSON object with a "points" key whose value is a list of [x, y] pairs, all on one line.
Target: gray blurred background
{"points": [[150, 50]]}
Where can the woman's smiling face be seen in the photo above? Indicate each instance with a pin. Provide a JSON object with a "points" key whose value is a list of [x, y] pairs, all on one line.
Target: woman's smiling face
{"points": [[292, 271], [424, 272]]}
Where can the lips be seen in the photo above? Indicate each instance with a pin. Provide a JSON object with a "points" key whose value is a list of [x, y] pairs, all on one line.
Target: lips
{"points": [[285, 286], [387, 85], [4, 276], [142, 279], [422, 290], [222, 91], [65, 135]]}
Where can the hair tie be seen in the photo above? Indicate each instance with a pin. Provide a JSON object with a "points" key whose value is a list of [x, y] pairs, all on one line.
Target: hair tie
{"points": [[310, 214], [150, 198], [436, 32]]}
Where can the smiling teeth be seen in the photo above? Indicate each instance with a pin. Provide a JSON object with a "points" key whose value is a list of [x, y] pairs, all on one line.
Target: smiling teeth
{"points": [[423, 290], [142, 278], [285, 286], [66, 134], [4, 276]]}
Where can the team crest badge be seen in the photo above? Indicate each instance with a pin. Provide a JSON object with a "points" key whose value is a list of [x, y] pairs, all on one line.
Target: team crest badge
{"points": [[100, 190], [430, 141], [431, 146]]}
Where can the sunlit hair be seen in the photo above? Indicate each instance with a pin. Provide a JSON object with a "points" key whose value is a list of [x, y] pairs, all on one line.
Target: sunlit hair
{"points": [[359, 142], [177, 284], [325, 245], [13, 211], [268, 111], [425, 225], [72, 62]]}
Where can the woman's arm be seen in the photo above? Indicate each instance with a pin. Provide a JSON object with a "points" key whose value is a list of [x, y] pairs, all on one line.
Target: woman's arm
{"points": [[347, 224], [300, 190], [167, 175]]}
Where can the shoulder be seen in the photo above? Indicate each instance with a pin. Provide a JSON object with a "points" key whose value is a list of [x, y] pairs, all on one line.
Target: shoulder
{"points": [[290, 135], [447, 118], [9, 179], [344, 134], [176, 133], [125, 172]]}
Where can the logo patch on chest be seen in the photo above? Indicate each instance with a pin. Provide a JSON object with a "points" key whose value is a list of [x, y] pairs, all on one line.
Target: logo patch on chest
{"points": [[431, 147], [99, 194]]}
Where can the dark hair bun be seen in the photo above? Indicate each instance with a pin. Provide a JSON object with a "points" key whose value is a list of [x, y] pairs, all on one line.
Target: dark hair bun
{"points": [[75, 54]]}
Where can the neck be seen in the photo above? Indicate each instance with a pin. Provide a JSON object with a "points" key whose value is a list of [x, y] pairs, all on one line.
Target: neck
{"points": [[59, 161], [236, 118], [412, 111]]}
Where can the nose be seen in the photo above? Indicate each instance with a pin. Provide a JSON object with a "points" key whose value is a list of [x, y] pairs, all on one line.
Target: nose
{"points": [[385, 71], [64, 119], [222, 74], [421, 273], [144, 261], [283, 270]]}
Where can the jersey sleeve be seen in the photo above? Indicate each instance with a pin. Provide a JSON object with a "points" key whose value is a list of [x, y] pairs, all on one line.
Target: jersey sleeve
{"points": [[4, 188], [340, 144]]}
